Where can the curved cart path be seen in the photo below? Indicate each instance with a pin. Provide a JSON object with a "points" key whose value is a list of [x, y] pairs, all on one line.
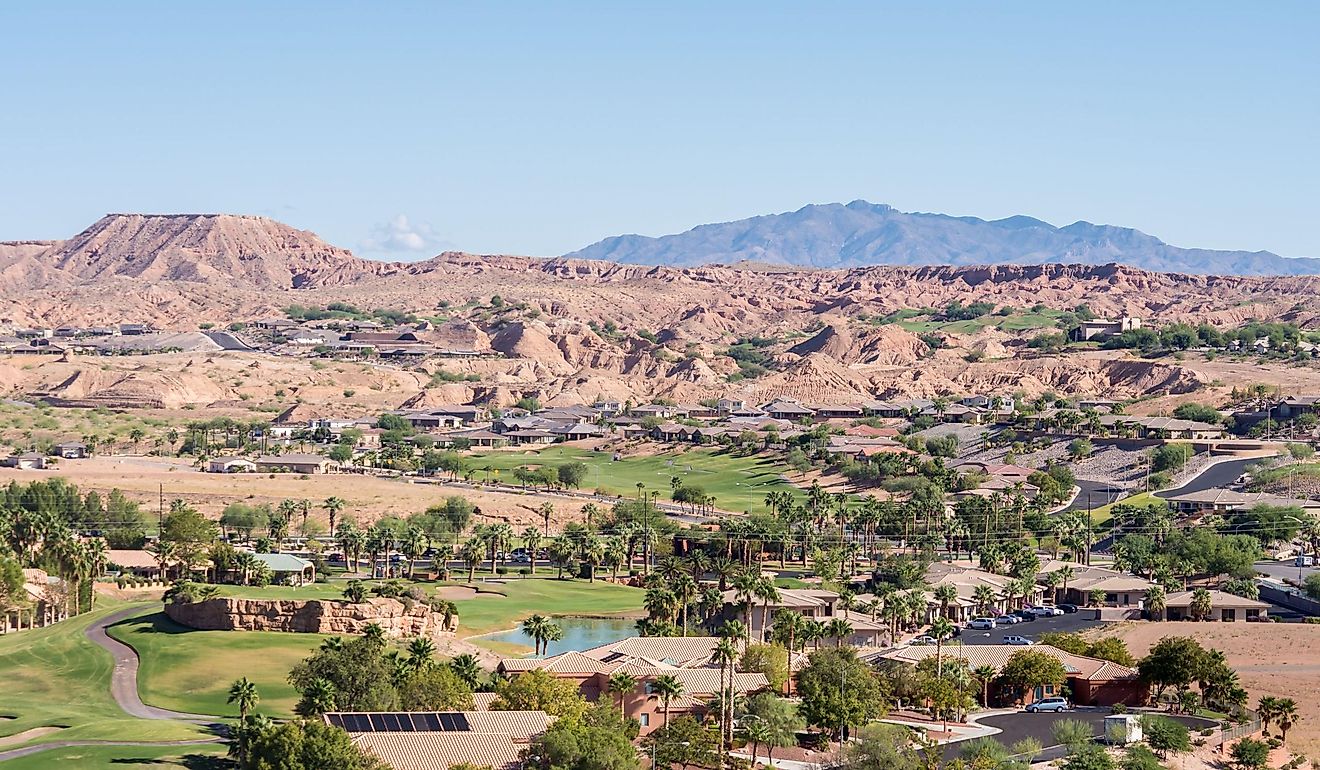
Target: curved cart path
{"points": [[123, 686]]}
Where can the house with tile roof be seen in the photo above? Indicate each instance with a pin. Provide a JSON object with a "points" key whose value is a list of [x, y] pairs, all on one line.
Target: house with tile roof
{"points": [[1224, 607], [1089, 681], [687, 659]]}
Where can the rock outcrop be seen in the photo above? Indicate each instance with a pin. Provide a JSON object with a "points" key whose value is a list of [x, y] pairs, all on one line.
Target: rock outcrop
{"points": [[309, 616]]}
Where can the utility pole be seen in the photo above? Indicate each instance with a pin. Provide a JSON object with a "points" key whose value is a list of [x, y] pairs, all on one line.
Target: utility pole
{"points": [[160, 511]]}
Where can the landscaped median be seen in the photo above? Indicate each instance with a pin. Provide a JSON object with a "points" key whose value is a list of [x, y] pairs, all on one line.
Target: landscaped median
{"points": [[56, 677]]}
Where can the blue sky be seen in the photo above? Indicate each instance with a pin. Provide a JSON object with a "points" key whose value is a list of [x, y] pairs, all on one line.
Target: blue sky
{"points": [[400, 129]]}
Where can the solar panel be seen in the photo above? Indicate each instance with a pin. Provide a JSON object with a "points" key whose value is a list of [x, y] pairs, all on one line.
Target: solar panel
{"points": [[392, 722], [429, 722], [335, 720], [377, 722]]}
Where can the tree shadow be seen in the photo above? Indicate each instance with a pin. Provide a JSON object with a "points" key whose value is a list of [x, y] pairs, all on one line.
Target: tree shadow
{"points": [[155, 623], [189, 761]]}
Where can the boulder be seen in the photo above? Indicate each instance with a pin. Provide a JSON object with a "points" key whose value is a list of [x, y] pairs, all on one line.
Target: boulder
{"points": [[309, 616]]}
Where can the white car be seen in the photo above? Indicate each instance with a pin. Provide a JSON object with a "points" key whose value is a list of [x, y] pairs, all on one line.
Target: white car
{"points": [[1007, 620], [924, 639], [982, 624], [1018, 640], [1045, 612]]}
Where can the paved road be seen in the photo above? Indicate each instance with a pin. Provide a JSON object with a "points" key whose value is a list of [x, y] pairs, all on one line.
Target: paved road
{"points": [[1284, 570], [1094, 494], [1217, 475], [123, 682]]}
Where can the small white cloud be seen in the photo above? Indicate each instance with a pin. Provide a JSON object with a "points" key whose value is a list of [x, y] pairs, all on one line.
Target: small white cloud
{"points": [[401, 236]]}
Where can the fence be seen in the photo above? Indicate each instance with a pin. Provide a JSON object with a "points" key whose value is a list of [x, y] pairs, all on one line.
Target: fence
{"points": [[1241, 731], [1292, 601]]}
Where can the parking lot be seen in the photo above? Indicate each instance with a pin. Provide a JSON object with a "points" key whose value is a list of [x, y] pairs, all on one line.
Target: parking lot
{"points": [[1032, 629], [1020, 725]]}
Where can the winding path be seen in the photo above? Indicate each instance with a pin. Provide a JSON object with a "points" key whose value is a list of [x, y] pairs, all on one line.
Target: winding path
{"points": [[123, 686]]}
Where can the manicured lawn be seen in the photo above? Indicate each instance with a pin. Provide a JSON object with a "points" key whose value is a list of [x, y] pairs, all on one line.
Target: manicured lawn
{"points": [[54, 676], [158, 758], [1104, 513], [523, 598], [191, 671], [738, 483]]}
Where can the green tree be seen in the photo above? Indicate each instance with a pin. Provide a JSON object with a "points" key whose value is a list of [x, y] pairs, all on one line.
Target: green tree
{"points": [[189, 533], [1164, 735], [539, 690], [1028, 669], [434, 688], [666, 687], [839, 691], [767, 659], [243, 693], [356, 671], [1173, 661], [1138, 757], [683, 742], [777, 723], [306, 744], [1250, 754], [598, 740], [1087, 757]]}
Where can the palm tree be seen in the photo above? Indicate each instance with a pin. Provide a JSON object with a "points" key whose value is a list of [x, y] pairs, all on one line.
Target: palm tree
{"points": [[415, 543], [471, 553], [532, 539], [745, 589], [616, 554], [420, 652], [839, 630], [467, 668], [942, 628], [666, 687], [946, 594], [724, 570], [984, 596], [622, 683], [685, 591], [1266, 709], [332, 506], [244, 693], [593, 553], [1201, 605], [1285, 711], [318, 698], [1155, 602], [789, 627], [535, 628], [95, 555], [755, 731], [985, 674], [246, 562], [725, 655], [767, 592]]}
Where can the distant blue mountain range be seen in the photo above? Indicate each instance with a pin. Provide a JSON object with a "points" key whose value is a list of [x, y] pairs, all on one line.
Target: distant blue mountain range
{"points": [[834, 235]]}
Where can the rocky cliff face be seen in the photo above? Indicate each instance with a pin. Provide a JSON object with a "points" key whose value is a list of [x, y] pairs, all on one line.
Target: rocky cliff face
{"points": [[310, 616]]}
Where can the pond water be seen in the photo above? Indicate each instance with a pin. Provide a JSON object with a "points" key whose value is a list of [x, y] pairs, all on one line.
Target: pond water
{"points": [[579, 634]]}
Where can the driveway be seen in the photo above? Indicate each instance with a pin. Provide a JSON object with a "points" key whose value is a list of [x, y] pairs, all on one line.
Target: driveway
{"points": [[1019, 725], [1219, 475], [1075, 623]]}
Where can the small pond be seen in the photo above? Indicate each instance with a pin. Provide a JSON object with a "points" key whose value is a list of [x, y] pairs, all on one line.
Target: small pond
{"points": [[579, 634]]}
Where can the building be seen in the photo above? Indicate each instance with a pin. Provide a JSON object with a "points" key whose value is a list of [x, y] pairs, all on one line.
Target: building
{"points": [[784, 409], [1102, 329], [30, 461], [70, 450], [1089, 681], [40, 601], [1120, 589], [287, 569], [687, 659], [1224, 607], [442, 740], [1217, 500], [294, 463], [230, 465]]}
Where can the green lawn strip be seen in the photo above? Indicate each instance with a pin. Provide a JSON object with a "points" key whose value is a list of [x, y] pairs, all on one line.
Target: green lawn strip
{"points": [[488, 613], [186, 670], [1104, 513], [737, 482], [55, 676], [155, 757]]}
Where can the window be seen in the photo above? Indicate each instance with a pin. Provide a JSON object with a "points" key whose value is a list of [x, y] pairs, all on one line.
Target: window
{"points": [[645, 720]]}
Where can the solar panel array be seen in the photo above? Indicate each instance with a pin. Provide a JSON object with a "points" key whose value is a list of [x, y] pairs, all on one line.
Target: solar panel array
{"points": [[400, 722]]}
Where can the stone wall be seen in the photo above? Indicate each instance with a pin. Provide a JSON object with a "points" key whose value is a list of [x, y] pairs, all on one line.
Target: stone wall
{"points": [[309, 616]]}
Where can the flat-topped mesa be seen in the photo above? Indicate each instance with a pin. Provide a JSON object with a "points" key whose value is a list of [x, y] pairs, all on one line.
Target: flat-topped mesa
{"points": [[245, 250]]}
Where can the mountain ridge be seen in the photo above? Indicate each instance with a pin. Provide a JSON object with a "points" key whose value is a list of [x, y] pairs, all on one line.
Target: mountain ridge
{"points": [[861, 234]]}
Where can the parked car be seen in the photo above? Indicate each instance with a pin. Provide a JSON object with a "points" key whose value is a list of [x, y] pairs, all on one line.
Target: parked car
{"points": [[924, 639], [1067, 608], [982, 624], [1025, 615], [1018, 640], [1048, 704], [1045, 612], [1007, 620]]}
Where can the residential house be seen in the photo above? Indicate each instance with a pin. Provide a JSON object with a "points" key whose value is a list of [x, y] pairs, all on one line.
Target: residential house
{"points": [[785, 409], [295, 463], [811, 603], [1120, 589], [730, 405], [1216, 500], [29, 461], [687, 659], [40, 601], [1088, 681], [966, 580], [1224, 607], [230, 465], [139, 562], [530, 436], [837, 411], [661, 411], [577, 431], [1103, 329]]}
